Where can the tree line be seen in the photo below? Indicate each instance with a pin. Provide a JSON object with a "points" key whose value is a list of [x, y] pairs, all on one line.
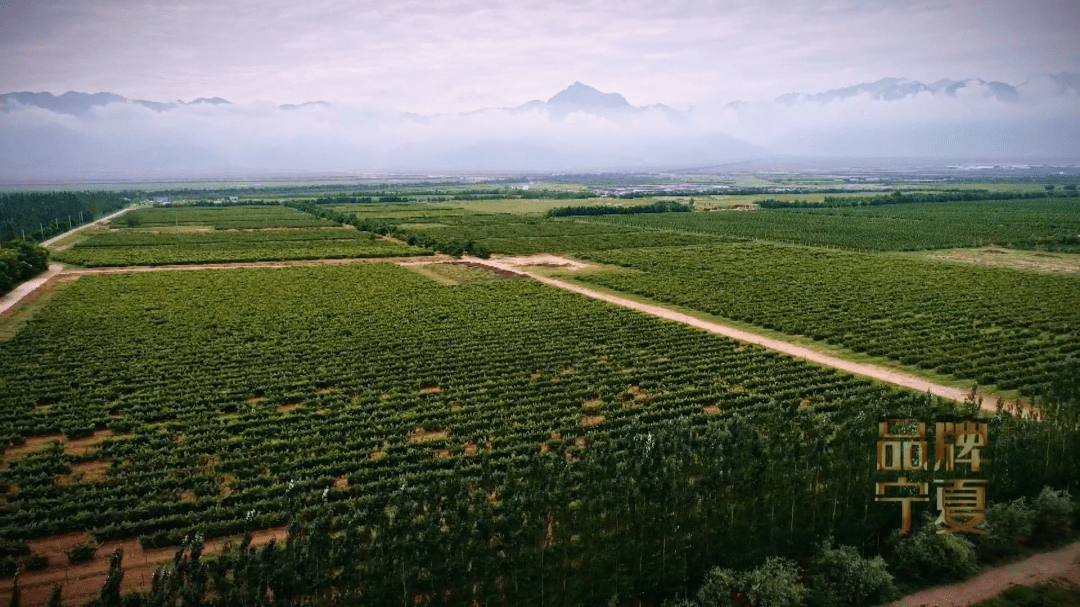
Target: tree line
{"points": [[19, 261], [660, 206], [455, 246], [899, 197], [36, 216]]}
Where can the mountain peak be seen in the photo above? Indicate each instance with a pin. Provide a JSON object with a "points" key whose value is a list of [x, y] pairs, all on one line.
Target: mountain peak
{"points": [[583, 95]]}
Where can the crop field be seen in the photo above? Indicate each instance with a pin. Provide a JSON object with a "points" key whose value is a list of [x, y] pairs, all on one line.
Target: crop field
{"points": [[442, 433], [517, 235], [140, 247], [223, 218], [1052, 224], [227, 386], [993, 325]]}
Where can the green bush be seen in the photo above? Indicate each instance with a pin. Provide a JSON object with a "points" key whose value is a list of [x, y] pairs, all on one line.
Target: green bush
{"points": [[928, 557], [1010, 526], [844, 578], [1053, 522], [80, 553], [774, 584]]}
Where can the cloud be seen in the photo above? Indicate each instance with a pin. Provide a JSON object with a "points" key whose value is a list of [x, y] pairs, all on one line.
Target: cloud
{"points": [[449, 55], [126, 140]]}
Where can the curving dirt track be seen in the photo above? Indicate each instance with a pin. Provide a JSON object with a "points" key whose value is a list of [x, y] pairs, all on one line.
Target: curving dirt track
{"points": [[896, 378], [30, 288], [1061, 564]]}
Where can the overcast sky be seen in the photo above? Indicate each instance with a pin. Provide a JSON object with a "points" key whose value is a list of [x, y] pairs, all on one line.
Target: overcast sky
{"points": [[453, 55]]}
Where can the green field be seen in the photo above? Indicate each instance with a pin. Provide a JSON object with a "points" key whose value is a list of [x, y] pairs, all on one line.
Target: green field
{"points": [[1052, 224], [993, 325], [137, 247], [250, 379], [443, 434], [516, 235], [222, 218]]}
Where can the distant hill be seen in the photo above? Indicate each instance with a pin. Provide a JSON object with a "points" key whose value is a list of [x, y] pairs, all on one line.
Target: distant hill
{"points": [[78, 104]]}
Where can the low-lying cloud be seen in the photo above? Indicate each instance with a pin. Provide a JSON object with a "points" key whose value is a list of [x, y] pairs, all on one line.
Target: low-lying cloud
{"points": [[130, 141]]}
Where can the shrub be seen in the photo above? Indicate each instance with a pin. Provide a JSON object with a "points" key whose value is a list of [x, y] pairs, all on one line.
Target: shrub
{"points": [[929, 557], [1010, 526], [36, 562], [80, 553], [844, 578], [1053, 522], [774, 584]]}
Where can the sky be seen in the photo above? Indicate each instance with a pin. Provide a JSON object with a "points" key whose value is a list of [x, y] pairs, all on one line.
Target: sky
{"points": [[431, 56]]}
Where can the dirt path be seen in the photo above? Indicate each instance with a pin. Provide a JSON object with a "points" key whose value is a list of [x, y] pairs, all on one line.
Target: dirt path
{"points": [[24, 290], [890, 376], [55, 239], [1064, 563]]}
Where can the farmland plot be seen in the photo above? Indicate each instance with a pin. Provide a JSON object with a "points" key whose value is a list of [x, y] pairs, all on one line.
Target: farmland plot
{"points": [[993, 325]]}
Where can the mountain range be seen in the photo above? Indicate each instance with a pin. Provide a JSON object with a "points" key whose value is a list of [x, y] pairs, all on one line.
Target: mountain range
{"points": [[579, 97], [107, 136]]}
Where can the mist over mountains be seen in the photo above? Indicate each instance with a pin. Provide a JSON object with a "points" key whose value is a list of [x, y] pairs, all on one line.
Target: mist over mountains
{"points": [[104, 135]]}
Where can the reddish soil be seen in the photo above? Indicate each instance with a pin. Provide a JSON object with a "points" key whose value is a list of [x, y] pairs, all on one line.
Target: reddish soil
{"points": [[500, 272], [75, 447], [421, 435], [1063, 564], [592, 420], [85, 472], [83, 580]]}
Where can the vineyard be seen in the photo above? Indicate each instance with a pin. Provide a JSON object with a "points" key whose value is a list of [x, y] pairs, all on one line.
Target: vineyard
{"points": [[223, 218], [443, 434], [232, 385], [519, 235], [496, 441], [994, 326], [1051, 224], [140, 247]]}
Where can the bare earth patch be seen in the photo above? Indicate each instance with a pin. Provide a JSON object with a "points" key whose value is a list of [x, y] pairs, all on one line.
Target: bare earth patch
{"points": [[341, 482], [288, 408], [76, 446], [431, 390], [592, 420], [711, 410], [1008, 258], [82, 581], [85, 472], [421, 435]]}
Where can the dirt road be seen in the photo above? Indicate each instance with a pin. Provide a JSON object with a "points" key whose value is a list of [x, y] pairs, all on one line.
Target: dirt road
{"points": [[1041, 568], [55, 239], [896, 378], [25, 289]]}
